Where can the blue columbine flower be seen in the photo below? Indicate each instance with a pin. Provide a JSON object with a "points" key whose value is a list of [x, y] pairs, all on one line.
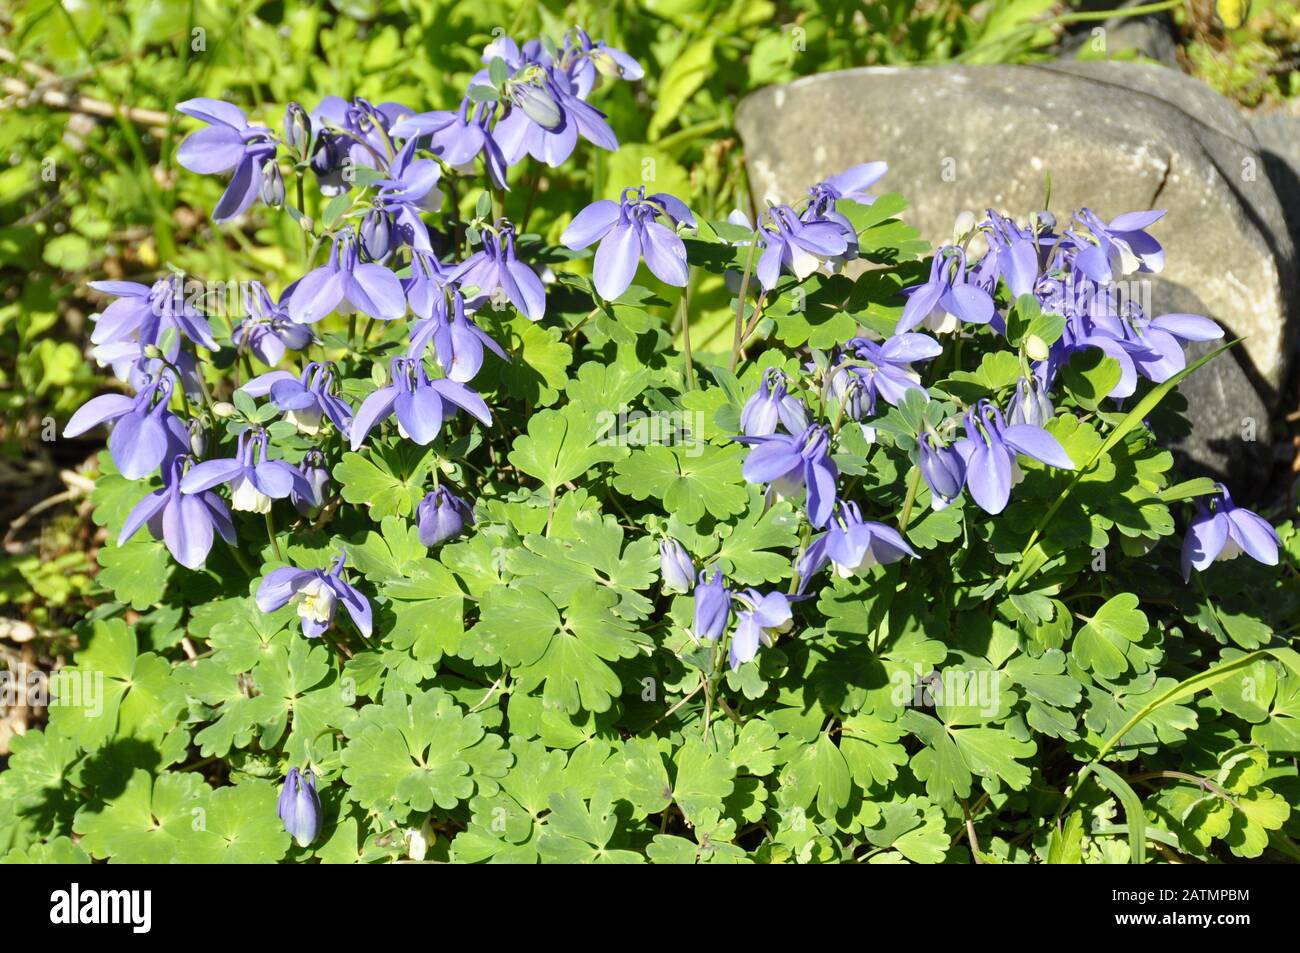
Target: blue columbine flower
{"points": [[1118, 247], [268, 332], [1012, 255], [628, 230], [791, 463], [309, 493], [409, 189], [989, 450], [305, 400], [676, 570], [184, 523], [866, 369], [943, 467], [420, 404], [712, 607], [317, 594], [458, 342], [853, 545], [1030, 403], [587, 60], [771, 405], [442, 515], [1223, 530], [366, 287], [458, 136], [145, 432], [496, 267], [229, 142], [142, 313], [798, 246], [299, 807], [255, 479], [1161, 355], [948, 298], [764, 617]]}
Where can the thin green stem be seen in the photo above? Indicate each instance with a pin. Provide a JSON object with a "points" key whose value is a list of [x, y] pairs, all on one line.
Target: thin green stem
{"points": [[270, 534]]}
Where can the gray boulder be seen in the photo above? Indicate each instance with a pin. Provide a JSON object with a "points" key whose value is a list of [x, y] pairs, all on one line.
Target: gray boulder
{"points": [[1114, 136]]}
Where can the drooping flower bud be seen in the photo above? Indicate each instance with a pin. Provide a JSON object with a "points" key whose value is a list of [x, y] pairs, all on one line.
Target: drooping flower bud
{"points": [[297, 129], [1030, 404], [712, 607], [442, 516], [272, 191], [299, 807], [376, 234], [943, 469], [771, 405], [310, 496], [675, 567]]}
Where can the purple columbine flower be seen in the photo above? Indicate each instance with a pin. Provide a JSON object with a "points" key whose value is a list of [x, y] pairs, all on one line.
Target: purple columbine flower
{"points": [[495, 267], [1012, 254], [305, 400], [317, 594], [943, 468], [791, 463], [1162, 355], [229, 142], [366, 287], [628, 231], [420, 404], [409, 190], [1223, 530], [771, 405], [763, 618], [309, 493], [948, 298], [142, 313], [853, 545], [1030, 403], [866, 369], [850, 184], [299, 807], [458, 136], [144, 433], [545, 115], [268, 332], [676, 570], [426, 289], [255, 479], [1120, 247], [796, 245], [712, 607], [442, 515], [989, 450], [587, 60], [458, 343], [184, 523]]}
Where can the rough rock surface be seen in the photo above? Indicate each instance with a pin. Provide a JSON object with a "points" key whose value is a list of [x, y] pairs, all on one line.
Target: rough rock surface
{"points": [[1113, 136]]}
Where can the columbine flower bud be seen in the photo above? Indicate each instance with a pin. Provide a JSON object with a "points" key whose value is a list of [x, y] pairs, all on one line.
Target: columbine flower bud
{"points": [[675, 567], [442, 516], [299, 807], [712, 607], [272, 191], [943, 469], [316, 481], [223, 409], [198, 438], [297, 129], [537, 104], [376, 234], [1030, 404]]}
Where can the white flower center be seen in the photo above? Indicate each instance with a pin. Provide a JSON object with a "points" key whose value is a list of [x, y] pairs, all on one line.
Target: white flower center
{"points": [[316, 602], [248, 498]]}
